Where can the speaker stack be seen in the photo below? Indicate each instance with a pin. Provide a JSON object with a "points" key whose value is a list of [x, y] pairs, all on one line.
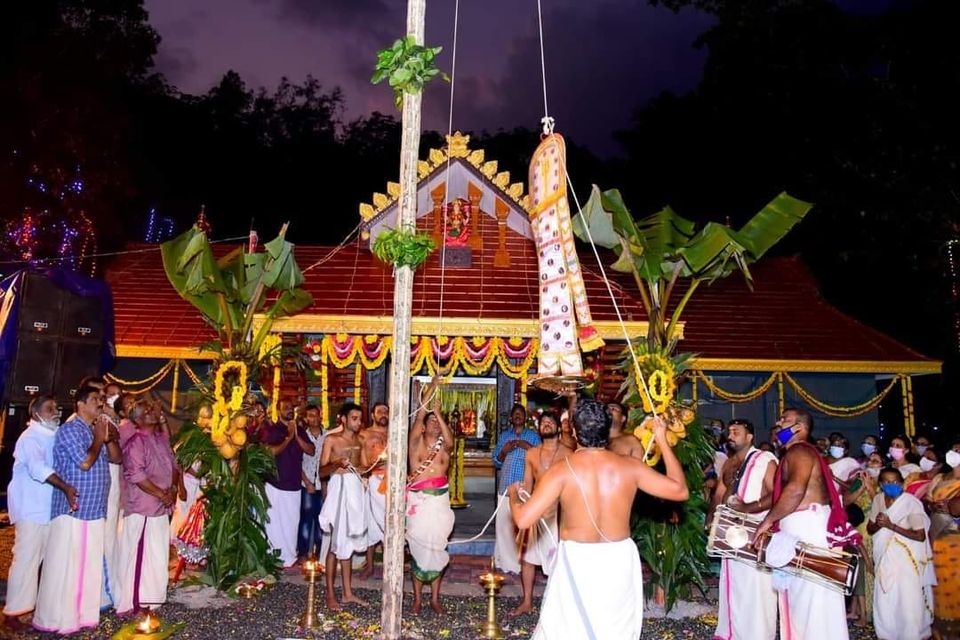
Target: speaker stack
{"points": [[59, 341]]}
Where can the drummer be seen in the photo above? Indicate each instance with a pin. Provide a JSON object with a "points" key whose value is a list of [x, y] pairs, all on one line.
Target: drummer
{"points": [[804, 500], [748, 602]]}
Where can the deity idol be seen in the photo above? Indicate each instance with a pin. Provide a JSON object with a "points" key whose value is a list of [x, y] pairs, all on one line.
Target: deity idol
{"points": [[457, 214]]}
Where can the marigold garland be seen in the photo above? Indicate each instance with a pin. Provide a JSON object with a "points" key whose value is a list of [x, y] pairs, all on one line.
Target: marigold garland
{"points": [[222, 406]]}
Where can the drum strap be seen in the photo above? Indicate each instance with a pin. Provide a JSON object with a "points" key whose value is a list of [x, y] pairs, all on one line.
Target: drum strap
{"points": [[742, 470]]}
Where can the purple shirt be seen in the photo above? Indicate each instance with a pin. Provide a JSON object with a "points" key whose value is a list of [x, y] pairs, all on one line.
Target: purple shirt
{"points": [[146, 456], [290, 460]]}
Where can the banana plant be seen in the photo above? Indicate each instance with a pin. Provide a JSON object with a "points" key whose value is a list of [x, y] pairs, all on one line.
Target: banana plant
{"points": [[662, 248], [659, 251], [232, 290]]}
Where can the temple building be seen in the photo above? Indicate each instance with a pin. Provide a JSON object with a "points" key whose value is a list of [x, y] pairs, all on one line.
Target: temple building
{"points": [[475, 312]]}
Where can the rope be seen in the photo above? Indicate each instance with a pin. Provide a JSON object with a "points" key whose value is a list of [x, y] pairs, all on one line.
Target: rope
{"points": [[337, 249], [543, 74], [105, 254]]}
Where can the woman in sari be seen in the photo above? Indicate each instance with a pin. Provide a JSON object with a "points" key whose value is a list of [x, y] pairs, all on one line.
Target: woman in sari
{"points": [[931, 465], [943, 501], [860, 492]]}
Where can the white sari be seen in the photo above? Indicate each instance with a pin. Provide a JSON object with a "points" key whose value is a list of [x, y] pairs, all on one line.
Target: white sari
{"points": [[904, 575]]}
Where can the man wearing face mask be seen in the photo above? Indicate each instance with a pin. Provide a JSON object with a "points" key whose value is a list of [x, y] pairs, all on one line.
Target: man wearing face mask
{"points": [[29, 495], [748, 603], [807, 509], [903, 561]]}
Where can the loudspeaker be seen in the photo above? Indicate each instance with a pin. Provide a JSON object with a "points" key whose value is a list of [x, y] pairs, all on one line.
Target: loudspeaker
{"points": [[75, 360], [34, 367], [59, 341]]}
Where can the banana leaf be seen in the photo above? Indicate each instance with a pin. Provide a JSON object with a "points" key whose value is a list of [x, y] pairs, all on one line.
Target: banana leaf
{"points": [[282, 272], [192, 270], [772, 223]]}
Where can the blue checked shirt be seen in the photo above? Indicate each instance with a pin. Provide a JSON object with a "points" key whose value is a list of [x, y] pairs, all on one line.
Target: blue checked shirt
{"points": [[70, 447], [512, 467]]}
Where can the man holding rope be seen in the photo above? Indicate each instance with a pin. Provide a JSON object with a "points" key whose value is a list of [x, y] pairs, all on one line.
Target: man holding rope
{"points": [[540, 546], [429, 516], [343, 517], [596, 588]]}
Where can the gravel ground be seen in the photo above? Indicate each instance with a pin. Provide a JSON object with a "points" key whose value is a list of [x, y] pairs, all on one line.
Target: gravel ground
{"points": [[274, 616]]}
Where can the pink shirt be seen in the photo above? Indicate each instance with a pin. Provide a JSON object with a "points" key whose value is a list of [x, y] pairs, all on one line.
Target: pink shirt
{"points": [[146, 456]]}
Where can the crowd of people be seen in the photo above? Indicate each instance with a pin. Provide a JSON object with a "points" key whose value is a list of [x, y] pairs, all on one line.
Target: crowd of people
{"points": [[902, 500], [92, 500]]}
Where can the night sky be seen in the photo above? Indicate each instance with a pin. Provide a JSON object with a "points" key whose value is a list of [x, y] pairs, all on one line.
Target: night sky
{"points": [[604, 58]]}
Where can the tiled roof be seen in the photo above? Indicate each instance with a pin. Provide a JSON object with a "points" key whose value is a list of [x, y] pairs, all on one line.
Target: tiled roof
{"points": [[783, 318]]}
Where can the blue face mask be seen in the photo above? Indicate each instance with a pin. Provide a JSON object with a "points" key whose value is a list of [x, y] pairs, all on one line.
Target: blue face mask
{"points": [[785, 435], [892, 490]]}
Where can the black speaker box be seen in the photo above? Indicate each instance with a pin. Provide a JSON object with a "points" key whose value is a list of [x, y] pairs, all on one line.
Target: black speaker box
{"points": [[82, 319], [34, 368], [76, 360]]}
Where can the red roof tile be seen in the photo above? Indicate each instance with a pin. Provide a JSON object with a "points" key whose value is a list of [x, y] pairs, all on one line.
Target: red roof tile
{"points": [[783, 318]]}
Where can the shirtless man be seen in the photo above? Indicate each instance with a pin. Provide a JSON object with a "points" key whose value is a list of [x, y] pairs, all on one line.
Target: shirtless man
{"points": [[373, 441], [802, 510], [596, 586], [342, 517], [626, 444], [540, 547], [429, 516]]}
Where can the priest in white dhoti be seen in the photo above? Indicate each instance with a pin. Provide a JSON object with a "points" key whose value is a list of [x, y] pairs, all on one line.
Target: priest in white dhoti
{"points": [[748, 603], [429, 525], [29, 496], [903, 561], [595, 589], [72, 576], [149, 491]]}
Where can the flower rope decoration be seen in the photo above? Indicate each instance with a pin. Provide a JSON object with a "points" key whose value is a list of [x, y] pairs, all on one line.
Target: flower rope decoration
{"points": [[270, 353]]}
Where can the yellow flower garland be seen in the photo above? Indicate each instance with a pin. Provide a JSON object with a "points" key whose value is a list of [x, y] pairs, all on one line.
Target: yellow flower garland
{"points": [[223, 406]]}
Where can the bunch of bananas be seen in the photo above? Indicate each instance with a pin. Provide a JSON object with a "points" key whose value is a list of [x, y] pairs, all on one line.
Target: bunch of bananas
{"points": [[677, 418]]}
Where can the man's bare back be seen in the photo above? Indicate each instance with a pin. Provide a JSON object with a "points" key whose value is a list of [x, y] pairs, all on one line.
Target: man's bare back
{"points": [[596, 487]]}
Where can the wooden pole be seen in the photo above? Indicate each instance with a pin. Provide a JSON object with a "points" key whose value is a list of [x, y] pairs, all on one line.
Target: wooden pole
{"points": [[391, 612]]}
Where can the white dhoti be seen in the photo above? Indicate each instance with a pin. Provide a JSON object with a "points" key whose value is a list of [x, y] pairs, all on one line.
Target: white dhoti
{"points": [[595, 592], [748, 603], [808, 610], [29, 544], [376, 510], [283, 519], [343, 516], [72, 576], [143, 554], [110, 532], [540, 546], [904, 577], [429, 525], [506, 552], [192, 485]]}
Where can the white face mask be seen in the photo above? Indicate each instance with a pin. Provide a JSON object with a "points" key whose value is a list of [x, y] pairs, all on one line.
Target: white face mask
{"points": [[873, 472], [836, 452], [51, 424], [926, 464], [110, 400], [921, 449], [953, 458]]}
